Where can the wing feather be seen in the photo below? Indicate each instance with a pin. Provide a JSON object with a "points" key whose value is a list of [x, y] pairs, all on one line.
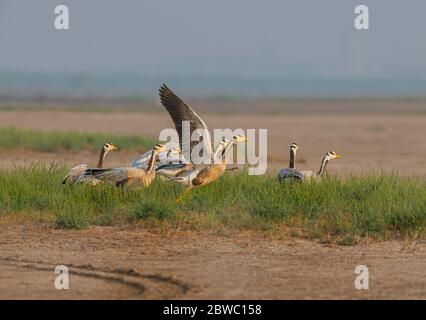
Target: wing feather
{"points": [[180, 111], [290, 174], [114, 174]]}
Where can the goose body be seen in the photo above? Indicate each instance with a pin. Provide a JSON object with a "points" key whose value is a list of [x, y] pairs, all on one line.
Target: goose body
{"points": [[132, 177], [290, 174], [309, 174], [124, 176], [197, 176], [174, 169], [312, 175], [200, 175]]}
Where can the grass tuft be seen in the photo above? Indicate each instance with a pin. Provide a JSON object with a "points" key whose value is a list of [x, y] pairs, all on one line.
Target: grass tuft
{"points": [[386, 206], [152, 209]]}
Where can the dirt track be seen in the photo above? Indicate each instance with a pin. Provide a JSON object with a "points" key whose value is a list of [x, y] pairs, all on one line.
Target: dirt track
{"points": [[108, 263]]}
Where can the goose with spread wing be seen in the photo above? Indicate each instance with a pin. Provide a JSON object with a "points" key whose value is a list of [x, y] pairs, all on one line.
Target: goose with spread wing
{"points": [[189, 124]]}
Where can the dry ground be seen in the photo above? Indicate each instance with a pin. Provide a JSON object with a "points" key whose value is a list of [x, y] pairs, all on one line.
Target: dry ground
{"points": [[109, 263], [137, 263]]}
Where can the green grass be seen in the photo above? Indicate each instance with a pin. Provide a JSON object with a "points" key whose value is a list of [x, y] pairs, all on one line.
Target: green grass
{"points": [[381, 207], [14, 138]]}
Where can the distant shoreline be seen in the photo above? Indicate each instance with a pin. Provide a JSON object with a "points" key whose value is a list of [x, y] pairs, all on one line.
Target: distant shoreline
{"points": [[123, 87], [264, 106]]}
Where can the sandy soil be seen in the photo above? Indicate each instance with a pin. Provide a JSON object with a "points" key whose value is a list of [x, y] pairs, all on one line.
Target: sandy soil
{"points": [[109, 263], [368, 142]]}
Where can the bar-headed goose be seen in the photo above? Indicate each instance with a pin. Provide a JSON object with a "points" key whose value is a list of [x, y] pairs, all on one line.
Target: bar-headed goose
{"points": [[76, 174]]}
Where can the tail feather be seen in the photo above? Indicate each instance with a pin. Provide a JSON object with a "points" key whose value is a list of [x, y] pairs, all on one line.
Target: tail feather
{"points": [[68, 178]]}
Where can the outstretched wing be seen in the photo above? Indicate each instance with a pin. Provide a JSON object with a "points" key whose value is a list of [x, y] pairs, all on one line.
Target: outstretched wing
{"points": [[180, 111]]}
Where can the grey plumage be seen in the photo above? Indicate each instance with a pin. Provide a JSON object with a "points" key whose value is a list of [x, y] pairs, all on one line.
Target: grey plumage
{"points": [[290, 174]]}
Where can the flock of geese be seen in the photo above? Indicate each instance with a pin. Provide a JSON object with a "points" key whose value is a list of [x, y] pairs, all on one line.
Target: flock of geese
{"points": [[169, 162]]}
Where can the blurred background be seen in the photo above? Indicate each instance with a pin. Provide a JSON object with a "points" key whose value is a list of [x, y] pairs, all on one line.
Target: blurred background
{"points": [[298, 68], [213, 48]]}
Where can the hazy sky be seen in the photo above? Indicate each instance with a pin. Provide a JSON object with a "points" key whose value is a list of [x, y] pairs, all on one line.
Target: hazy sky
{"points": [[232, 37]]}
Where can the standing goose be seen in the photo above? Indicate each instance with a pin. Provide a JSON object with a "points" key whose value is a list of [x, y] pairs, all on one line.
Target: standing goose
{"points": [[76, 173], [129, 176], [291, 173], [309, 174]]}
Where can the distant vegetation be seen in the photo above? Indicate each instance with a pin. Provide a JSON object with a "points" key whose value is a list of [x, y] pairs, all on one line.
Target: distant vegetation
{"points": [[14, 138], [381, 207]]}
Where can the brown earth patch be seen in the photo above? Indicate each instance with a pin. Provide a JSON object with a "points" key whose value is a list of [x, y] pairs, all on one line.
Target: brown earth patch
{"points": [[135, 263], [368, 142]]}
